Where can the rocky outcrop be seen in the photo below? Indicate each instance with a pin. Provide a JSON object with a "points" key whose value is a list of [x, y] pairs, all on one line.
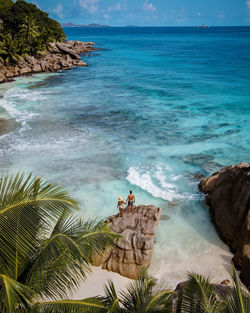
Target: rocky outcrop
{"points": [[134, 249], [228, 196], [60, 56]]}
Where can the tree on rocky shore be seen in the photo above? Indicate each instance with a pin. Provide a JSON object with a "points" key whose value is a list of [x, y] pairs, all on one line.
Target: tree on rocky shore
{"points": [[28, 25], [9, 49], [29, 30]]}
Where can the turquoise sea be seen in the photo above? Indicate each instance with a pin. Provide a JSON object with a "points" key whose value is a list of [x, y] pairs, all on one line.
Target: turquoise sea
{"points": [[155, 109]]}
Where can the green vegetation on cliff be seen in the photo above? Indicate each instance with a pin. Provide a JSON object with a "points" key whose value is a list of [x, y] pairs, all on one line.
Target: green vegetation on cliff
{"points": [[25, 30]]}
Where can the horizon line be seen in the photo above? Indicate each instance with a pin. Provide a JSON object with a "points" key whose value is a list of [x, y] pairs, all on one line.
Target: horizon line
{"points": [[138, 26]]}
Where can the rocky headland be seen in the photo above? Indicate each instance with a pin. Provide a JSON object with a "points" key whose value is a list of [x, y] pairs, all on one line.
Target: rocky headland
{"points": [[228, 197], [134, 248], [61, 56]]}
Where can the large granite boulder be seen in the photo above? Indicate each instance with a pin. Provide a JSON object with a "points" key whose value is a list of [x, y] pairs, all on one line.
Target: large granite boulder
{"points": [[134, 249], [68, 50], [228, 196]]}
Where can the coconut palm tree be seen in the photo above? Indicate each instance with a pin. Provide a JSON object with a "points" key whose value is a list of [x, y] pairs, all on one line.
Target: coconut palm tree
{"points": [[45, 251], [46, 37], [9, 50], [198, 296], [29, 30]]}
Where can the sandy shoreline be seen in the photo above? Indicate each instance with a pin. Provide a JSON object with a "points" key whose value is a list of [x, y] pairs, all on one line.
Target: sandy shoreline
{"points": [[7, 126], [95, 282]]}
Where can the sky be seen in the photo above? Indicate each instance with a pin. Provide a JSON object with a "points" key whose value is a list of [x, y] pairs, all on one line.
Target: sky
{"points": [[149, 12]]}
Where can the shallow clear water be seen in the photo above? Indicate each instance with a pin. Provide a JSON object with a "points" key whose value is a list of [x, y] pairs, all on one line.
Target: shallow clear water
{"points": [[153, 111]]}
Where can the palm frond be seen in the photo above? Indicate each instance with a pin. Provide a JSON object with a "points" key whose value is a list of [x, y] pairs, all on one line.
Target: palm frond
{"points": [[111, 300], [14, 296], [146, 295], [237, 297], [27, 207], [63, 260], [89, 305], [198, 295]]}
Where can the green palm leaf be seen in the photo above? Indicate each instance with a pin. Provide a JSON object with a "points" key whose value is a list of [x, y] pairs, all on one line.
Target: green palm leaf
{"points": [[64, 259], [237, 297], [14, 296], [143, 295], [89, 305], [111, 300], [198, 296], [27, 207]]}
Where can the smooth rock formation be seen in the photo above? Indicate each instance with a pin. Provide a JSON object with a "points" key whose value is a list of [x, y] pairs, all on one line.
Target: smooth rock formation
{"points": [[134, 249], [61, 56], [228, 196]]}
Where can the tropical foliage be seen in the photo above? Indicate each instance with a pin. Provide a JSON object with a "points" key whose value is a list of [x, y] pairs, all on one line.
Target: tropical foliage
{"points": [[30, 29], [45, 250], [200, 296], [147, 295]]}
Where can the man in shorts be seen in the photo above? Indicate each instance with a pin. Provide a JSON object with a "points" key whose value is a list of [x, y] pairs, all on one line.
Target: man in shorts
{"points": [[130, 201]]}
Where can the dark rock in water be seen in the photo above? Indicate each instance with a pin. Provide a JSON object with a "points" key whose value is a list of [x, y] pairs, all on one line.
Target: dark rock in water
{"points": [[210, 167], [173, 203], [164, 217], [197, 159], [133, 250], [194, 176], [198, 176], [228, 196]]}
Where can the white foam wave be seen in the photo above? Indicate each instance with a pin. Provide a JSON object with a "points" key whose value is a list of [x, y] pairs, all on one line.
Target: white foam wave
{"points": [[157, 183], [17, 93], [12, 99]]}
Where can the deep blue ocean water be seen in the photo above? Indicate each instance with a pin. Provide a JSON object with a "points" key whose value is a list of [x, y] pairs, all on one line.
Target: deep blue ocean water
{"points": [[155, 109]]}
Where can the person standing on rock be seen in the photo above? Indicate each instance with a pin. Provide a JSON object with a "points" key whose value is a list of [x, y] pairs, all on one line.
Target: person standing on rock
{"points": [[120, 205], [130, 201]]}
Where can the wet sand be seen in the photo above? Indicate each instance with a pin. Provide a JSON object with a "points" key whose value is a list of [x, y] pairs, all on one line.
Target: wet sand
{"points": [[7, 125]]}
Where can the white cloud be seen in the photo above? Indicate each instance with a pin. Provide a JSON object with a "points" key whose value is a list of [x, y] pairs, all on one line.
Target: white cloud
{"points": [[107, 17], [58, 10], [248, 4], [116, 7], [148, 6], [89, 5]]}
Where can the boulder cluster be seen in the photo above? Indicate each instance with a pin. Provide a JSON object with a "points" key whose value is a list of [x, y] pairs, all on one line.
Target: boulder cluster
{"points": [[60, 56], [134, 248], [228, 197]]}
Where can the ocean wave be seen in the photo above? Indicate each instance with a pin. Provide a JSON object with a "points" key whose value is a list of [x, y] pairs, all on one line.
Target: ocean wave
{"points": [[10, 103], [17, 93], [158, 181]]}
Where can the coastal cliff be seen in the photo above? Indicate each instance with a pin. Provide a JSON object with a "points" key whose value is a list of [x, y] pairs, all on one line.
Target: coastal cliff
{"points": [[61, 56], [228, 197], [134, 249]]}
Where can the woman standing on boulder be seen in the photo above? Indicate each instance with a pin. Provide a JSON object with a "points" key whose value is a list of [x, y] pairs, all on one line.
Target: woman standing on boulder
{"points": [[120, 205]]}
